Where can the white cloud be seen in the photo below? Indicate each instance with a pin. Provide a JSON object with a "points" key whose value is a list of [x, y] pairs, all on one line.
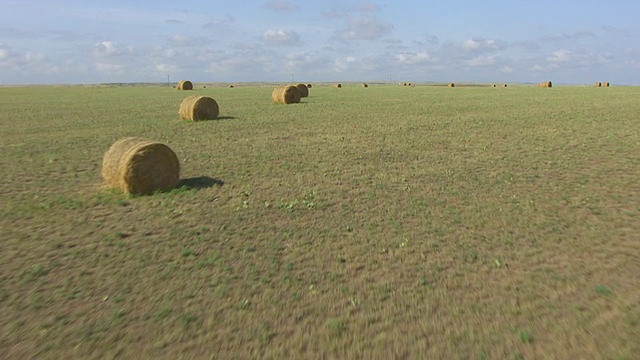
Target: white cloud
{"points": [[23, 61], [280, 37], [560, 56], [479, 45], [364, 28], [110, 49], [482, 61], [224, 25], [576, 35], [507, 69], [412, 58], [545, 68], [180, 40], [345, 64], [303, 60]]}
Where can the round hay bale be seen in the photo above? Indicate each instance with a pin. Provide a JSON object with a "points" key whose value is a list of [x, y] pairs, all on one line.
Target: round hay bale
{"points": [[287, 94], [504, 85], [494, 85], [204, 86], [141, 167], [598, 84], [337, 86], [451, 85], [606, 84], [230, 86], [185, 85], [309, 86], [364, 85], [198, 108], [304, 90]]}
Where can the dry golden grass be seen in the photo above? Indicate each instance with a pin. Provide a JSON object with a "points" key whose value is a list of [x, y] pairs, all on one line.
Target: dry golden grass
{"points": [[140, 167], [185, 85], [287, 94], [304, 90], [198, 108]]}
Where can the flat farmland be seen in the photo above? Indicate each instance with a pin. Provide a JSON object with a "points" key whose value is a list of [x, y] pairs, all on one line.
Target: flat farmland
{"points": [[385, 222]]}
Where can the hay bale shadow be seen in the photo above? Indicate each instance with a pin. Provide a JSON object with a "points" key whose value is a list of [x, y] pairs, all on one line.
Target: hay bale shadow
{"points": [[200, 182]]}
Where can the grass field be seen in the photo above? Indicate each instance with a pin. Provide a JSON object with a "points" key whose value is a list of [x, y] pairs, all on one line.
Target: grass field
{"points": [[378, 223]]}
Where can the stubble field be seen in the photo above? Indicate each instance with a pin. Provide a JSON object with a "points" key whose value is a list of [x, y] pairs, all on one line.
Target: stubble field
{"points": [[372, 223]]}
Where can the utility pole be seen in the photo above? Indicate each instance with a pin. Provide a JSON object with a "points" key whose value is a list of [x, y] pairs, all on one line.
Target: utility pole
{"points": [[168, 80], [293, 77]]}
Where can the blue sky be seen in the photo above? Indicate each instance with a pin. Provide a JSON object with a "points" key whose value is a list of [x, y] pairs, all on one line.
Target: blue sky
{"points": [[72, 41]]}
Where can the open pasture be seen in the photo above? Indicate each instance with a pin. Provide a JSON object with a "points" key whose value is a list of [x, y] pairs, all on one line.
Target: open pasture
{"points": [[386, 222]]}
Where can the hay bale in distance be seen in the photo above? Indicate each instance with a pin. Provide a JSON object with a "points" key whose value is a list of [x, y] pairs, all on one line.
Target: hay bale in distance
{"points": [[198, 108], [309, 86], [185, 85], [364, 85], [337, 86], [230, 86], [598, 84], [606, 84], [287, 94], [141, 167], [451, 85], [504, 85], [304, 90]]}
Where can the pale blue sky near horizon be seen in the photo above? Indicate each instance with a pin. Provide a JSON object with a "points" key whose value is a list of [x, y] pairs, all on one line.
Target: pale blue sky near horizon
{"points": [[85, 42]]}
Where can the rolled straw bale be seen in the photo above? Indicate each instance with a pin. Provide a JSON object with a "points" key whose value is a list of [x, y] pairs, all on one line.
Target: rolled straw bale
{"points": [[451, 85], [504, 85], [287, 94], [364, 85], [304, 90], [198, 108], [139, 166], [606, 84], [494, 85], [598, 84], [337, 85], [230, 86], [309, 86], [185, 85]]}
